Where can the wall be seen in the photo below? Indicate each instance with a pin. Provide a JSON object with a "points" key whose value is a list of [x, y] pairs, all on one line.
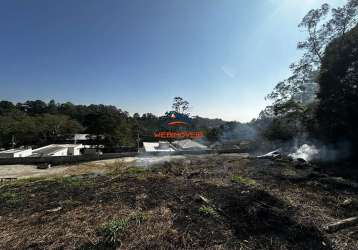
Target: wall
{"points": [[24, 153], [60, 160]]}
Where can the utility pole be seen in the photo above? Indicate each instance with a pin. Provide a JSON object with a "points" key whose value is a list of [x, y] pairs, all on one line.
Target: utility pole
{"points": [[13, 141], [138, 138]]}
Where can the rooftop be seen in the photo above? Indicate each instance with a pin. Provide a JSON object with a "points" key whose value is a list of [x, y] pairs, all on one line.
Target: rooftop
{"points": [[14, 150]]}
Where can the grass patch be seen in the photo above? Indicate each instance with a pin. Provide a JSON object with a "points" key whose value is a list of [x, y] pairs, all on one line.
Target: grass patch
{"points": [[70, 203], [116, 167], [25, 181], [73, 182], [122, 168], [112, 231], [243, 180], [208, 211], [135, 170], [11, 199]]}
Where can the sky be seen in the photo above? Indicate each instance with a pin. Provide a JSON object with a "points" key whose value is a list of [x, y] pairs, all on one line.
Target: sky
{"points": [[223, 56]]}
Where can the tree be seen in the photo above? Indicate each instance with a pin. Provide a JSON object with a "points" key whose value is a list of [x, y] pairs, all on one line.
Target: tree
{"points": [[50, 127], [299, 91], [214, 134], [319, 34], [6, 107], [35, 107], [180, 105], [337, 111], [52, 107]]}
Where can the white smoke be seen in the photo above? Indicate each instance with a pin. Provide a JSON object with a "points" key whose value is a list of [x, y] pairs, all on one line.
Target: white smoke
{"points": [[306, 152], [149, 161]]}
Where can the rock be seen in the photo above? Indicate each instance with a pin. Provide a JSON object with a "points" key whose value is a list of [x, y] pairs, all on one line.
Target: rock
{"points": [[54, 209], [201, 198], [350, 202]]}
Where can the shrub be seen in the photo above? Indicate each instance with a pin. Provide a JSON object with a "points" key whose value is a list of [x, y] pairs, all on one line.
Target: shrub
{"points": [[243, 180]]}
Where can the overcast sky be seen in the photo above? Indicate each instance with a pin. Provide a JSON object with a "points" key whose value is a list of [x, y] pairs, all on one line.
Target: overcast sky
{"points": [[223, 56]]}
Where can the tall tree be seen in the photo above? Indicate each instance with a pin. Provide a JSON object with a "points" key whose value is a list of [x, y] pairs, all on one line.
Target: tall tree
{"points": [[338, 96], [180, 105]]}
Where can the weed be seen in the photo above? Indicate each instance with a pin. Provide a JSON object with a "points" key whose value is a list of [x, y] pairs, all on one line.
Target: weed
{"points": [[25, 181], [243, 180], [72, 181], [116, 167], [112, 230], [208, 211], [139, 217], [136, 170], [11, 199]]}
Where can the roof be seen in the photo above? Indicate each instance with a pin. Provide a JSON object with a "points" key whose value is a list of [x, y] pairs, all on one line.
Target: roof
{"points": [[189, 144], [154, 147], [54, 148], [14, 150], [49, 150], [82, 136]]}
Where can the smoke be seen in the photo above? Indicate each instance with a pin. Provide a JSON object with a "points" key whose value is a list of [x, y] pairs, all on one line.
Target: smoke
{"points": [[240, 132], [146, 161], [306, 152], [320, 152]]}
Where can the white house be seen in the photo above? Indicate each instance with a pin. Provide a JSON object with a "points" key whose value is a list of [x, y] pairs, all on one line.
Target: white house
{"points": [[58, 150], [16, 152], [161, 146], [189, 145]]}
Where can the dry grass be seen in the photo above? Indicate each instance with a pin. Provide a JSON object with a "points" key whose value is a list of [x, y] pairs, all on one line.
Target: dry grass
{"points": [[118, 205]]}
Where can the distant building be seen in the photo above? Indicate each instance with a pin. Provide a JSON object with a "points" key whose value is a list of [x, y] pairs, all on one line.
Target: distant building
{"points": [[180, 145], [188, 145], [15, 153], [85, 138], [82, 137], [162, 146], [58, 150]]}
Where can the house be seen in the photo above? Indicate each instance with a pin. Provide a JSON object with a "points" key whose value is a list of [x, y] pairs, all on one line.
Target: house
{"points": [[188, 145], [58, 150], [162, 146], [15, 153], [180, 145]]}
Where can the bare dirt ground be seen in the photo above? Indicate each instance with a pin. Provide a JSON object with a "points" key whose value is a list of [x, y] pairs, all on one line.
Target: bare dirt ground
{"points": [[196, 202], [26, 171]]}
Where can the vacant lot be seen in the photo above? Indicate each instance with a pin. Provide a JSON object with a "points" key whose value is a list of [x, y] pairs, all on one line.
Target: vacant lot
{"points": [[196, 202]]}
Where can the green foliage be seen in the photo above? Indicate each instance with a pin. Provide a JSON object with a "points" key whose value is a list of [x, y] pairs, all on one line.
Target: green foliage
{"points": [[11, 199], [36, 123], [136, 170], [38, 129], [242, 180], [114, 229], [328, 60], [208, 211], [180, 105], [214, 134], [337, 113], [73, 182]]}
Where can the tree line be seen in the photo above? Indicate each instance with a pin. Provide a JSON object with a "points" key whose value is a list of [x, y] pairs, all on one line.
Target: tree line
{"points": [[37, 123]]}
